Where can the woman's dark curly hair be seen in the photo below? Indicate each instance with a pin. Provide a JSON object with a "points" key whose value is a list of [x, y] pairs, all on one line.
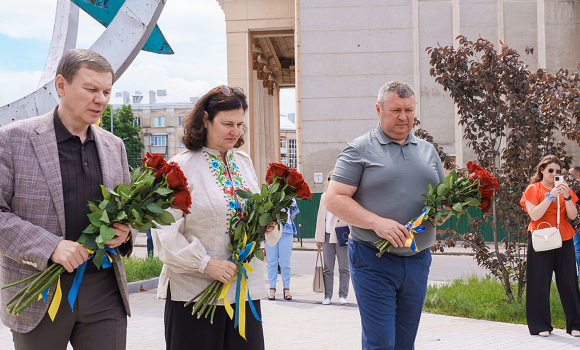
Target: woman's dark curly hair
{"points": [[195, 134]]}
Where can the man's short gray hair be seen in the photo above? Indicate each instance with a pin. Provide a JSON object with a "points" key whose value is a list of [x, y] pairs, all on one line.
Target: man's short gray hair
{"points": [[72, 61], [404, 90]]}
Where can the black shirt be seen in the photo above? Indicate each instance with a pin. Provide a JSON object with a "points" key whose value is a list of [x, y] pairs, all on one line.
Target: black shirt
{"points": [[81, 173]]}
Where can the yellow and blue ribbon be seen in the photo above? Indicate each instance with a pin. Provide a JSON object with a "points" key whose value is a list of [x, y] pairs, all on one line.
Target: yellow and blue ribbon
{"points": [[241, 289], [413, 227], [74, 290]]}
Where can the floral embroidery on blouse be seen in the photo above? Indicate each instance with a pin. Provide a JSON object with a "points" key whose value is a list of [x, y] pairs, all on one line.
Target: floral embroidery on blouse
{"points": [[236, 205]]}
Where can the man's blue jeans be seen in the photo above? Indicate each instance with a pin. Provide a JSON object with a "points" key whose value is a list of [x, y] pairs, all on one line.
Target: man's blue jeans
{"points": [[577, 249], [149, 243], [390, 292]]}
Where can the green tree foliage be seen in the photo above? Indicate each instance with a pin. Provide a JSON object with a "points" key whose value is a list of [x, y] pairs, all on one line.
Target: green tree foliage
{"points": [[124, 127], [511, 118]]}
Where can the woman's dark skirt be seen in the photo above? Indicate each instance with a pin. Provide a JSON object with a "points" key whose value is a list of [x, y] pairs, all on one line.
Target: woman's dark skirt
{"points": [[185, 331]]}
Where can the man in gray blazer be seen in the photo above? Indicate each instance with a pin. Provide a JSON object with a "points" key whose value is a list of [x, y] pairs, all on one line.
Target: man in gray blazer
{"points": [[50, 166]]}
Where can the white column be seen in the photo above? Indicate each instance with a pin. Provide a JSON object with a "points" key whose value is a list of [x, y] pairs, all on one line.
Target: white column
{"points": [[541, 33], [458, 128]]}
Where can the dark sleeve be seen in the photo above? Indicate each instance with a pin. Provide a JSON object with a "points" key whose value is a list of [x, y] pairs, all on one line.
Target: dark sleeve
{"points": [[349, 167]]}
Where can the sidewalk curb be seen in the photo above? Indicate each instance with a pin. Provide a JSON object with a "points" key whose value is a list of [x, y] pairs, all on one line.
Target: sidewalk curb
{"points": [[139, 286]]}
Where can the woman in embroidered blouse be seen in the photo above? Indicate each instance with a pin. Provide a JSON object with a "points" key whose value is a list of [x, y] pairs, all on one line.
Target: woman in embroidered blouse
{"points": [[194, 249], [540, 202]]}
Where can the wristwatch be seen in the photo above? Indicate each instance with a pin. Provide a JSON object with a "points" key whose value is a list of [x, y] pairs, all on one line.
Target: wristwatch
{"points": [[567, 199], [128, 237]]}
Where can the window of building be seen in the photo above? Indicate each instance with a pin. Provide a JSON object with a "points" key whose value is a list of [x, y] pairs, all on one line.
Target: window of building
{"points": [[157, 140], [292, 154], [137, 98], [283, 143], [159, 122], [179, 120], [137, 121], [180, 144]]}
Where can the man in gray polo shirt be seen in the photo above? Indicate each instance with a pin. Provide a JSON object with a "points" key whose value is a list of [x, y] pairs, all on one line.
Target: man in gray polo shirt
{"points": [[376, 186]]}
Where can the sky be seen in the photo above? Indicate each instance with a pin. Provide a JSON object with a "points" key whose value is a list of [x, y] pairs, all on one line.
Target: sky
{"points": [[195, 29]]}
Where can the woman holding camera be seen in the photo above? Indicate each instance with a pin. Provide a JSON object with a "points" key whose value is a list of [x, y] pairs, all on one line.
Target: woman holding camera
{"points": [[540, 201]]}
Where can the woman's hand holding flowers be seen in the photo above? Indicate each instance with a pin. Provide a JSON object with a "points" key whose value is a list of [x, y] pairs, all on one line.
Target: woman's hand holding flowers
{"points": [[220, 270], [271, 227], [443, 219]]}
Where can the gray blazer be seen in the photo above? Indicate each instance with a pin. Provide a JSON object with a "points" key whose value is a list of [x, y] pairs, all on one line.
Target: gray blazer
{"points": [[32, 221]]}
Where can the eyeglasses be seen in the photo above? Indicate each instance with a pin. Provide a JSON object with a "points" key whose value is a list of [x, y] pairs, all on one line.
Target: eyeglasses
{"points": [[557, 171], [229, 90]]}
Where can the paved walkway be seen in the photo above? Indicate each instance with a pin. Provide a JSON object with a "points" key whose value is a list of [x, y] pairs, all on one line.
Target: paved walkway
{"points": [[304, 323]]}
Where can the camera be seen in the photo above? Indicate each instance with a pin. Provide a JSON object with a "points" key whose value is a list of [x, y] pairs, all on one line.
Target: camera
{"points": [[558, 180]]}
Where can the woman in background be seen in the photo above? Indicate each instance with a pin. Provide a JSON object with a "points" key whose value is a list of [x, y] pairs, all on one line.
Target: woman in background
{"points": [[326, 238]]}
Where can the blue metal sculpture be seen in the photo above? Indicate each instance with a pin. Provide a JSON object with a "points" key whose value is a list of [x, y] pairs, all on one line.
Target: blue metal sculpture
{"points": [[103, 11]]}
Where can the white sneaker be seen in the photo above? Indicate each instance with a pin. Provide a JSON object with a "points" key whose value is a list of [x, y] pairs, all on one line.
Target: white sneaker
{"points": [[326, 301], [545, 334], [575, 333], [343, 301]]}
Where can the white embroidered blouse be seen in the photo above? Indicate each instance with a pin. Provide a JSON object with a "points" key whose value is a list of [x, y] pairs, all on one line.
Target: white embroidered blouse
{"points": [[186, 246]]}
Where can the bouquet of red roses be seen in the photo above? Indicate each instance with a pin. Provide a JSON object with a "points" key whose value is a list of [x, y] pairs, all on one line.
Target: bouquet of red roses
{"points": [[141, 205], [283, 184], [459, 192]]}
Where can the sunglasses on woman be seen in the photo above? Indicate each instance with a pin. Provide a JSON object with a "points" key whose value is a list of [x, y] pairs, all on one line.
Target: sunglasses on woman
{"points": [[230, 90], [557, 171]]}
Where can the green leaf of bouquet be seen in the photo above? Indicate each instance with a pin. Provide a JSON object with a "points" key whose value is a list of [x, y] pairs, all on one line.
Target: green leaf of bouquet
{"points": [[105, 192], [135, 174], [251, 215], [95, 219], [105, 217], [154, 208], [259, 253], [268, 206], [107, 233], [90, 243], [264, 192], [265, 219], [430, 188], [274, 188], [167, 217], [100, 243], [243, 194], [136, 215], [474, 202], [468, 217], [230, 247], [238, 232], [441, 189], [123, 188], [457, 207], [94, 208], [98, 258], [257, 197], [122, 216], [91, 229], [82, 238], [163, 191], [438, 216], [112, 207]]}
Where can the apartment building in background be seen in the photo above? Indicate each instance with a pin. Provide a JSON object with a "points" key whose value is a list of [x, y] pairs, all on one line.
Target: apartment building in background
{"points": [[161, 117], [288, 152]]}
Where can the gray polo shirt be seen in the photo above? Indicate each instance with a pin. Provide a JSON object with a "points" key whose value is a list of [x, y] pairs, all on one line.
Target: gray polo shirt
{"points": [[390, 179]]}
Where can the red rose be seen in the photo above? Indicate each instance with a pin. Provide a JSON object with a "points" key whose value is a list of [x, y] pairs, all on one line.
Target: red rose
{"points": [[182, 200], [175, 177], [269, 177], [303, 191], [293, 177], [153, 160], [485, 204], [487, 184], [161, 170], [278, 169]]}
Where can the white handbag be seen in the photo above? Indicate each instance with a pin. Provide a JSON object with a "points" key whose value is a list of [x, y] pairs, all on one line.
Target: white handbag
{"points": [[547, 238]]}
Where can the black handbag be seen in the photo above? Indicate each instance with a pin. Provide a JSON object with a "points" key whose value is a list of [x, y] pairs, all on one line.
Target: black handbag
{"points": [[342, 235]]}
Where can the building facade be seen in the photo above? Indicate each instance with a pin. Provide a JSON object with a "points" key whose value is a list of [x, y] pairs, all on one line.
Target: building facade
{"points": [[161, 117], [288, 144], [345, 50]]}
